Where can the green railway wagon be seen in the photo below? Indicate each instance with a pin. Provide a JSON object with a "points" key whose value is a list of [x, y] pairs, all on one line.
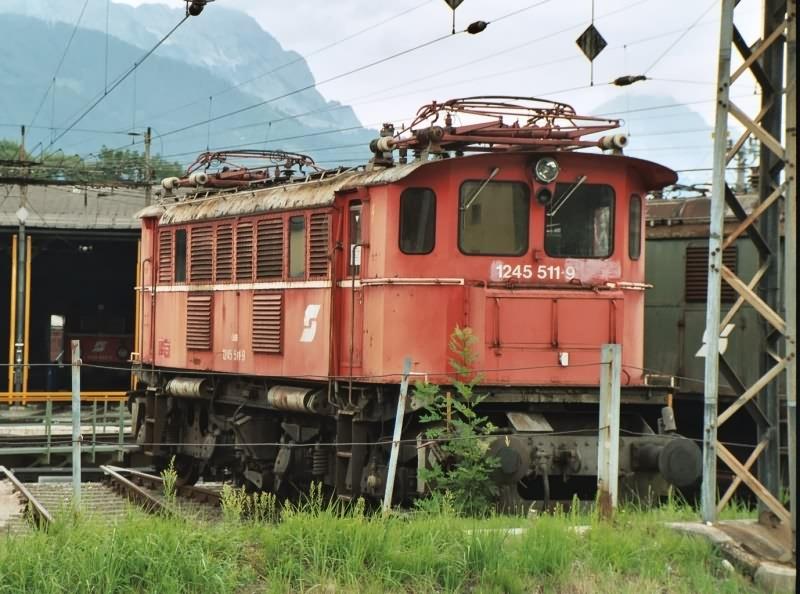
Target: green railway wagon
{"points": [[675, 310]]}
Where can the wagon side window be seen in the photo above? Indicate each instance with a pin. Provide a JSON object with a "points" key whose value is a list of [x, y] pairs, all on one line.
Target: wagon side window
{"points": [[297, 247], [635, 227], [494, 218], [417, 221], [579, 221], [180, 256]]}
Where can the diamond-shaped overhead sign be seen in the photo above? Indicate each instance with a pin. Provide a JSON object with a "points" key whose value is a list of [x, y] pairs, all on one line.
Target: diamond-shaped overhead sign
{"points": [[591, 42], [454, 3]]}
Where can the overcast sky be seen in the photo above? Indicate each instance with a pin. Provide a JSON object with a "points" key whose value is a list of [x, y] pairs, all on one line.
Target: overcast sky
{"points": [[638, 32], [531, 53]]}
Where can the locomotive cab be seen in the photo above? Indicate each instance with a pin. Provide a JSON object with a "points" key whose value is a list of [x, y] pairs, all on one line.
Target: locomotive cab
{"points": [[544, 272]]}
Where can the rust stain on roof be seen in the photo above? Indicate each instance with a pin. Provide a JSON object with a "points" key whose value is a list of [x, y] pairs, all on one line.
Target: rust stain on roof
{"points": [[305, 194]]}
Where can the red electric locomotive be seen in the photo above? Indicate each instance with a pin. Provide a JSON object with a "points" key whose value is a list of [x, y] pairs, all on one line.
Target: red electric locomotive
{"points": [[279, 303]]}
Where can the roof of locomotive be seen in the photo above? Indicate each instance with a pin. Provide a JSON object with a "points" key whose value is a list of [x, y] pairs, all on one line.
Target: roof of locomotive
{"points": [[321, 192], [313, 193]]}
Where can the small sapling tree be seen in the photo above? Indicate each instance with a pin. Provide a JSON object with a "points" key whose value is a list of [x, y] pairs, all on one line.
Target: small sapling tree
{"points": [[462, 465]]}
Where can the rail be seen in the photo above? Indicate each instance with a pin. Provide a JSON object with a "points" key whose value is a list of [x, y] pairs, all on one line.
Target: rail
{"points": [[198, 494], [150, 503], [40, 514]]}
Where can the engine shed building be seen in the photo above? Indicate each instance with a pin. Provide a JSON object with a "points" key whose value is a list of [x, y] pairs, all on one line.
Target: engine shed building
{"points": [[80, 279]]}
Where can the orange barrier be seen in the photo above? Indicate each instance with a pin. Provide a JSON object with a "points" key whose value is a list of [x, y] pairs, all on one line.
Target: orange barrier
{"points": [[31, 397]]}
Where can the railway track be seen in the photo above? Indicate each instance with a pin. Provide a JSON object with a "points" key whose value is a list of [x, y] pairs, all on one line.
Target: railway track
{"points": [[147, 491], [24, 505]]}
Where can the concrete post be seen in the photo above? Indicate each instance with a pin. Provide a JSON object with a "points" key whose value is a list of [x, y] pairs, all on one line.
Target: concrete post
{"points": [[76, 424], [148, 170], [19, 344], [608, 431]]}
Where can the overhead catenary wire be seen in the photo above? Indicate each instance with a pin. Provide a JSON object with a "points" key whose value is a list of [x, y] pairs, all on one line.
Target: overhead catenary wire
{"points": [[681, 36], [466, 64], [299, 58], [356, 101], [60, 63], [115, 84], [335, 77]]}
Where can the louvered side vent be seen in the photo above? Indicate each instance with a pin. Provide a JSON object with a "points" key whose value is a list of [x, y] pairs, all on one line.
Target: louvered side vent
{"points": [[198, 322], [697, 273], [200, 254], [224, 253], [269, 261], [165, 256], [268, 323], [318, 256], [244, 251]]}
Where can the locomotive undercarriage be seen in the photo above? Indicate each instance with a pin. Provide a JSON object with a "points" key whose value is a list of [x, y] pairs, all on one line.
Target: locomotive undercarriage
{"points": [[281, 437]]}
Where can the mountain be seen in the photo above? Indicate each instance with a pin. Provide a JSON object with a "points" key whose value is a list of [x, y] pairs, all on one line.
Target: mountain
{"points": [[203, 58]]}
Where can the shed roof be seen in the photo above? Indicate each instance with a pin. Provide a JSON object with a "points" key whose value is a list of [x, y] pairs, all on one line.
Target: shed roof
{"points": [[73, 207]]}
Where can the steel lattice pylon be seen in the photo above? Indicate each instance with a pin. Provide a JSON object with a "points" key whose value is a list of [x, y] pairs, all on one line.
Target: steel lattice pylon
{"points": [[765, 292]]}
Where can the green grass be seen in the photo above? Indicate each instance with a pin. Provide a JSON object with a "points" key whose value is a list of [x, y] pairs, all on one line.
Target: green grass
{"points": [[321, 548]]}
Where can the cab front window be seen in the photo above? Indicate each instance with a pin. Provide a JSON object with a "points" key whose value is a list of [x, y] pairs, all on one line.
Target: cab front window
{"points": [[493, 218], [579, 221]]}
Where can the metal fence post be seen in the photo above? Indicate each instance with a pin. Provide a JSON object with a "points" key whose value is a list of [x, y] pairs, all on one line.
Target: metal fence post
{"points": [[76, 424], [608, 432], [398, 430], [48, 428], [121, 432]]}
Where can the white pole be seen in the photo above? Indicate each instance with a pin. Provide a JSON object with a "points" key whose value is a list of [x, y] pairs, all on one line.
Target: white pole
{"points": [[76, 424], [708, 493], [398, 430], [608, 432], [790, 246]]}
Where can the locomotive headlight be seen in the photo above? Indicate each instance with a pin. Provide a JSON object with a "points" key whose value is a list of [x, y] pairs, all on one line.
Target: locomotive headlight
{"points": [[546, 170]]}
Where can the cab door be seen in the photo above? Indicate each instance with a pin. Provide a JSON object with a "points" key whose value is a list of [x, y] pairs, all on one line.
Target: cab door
{"points": [[351, 293]]}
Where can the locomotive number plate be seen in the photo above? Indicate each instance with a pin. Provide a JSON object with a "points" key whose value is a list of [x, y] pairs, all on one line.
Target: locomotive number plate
{"points": [[503, 271], [233, 355]]}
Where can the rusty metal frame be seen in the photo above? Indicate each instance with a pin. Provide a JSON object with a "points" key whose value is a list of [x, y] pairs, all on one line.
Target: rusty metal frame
{"points": [[508, 123], [778, 353]]}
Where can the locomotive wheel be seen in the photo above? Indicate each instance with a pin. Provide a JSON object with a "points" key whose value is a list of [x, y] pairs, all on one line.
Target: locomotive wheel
{"points": [[186, 468]]}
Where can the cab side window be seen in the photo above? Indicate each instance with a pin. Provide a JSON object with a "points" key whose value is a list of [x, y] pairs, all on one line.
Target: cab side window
{"points": [[635, 228], [180, 256], [297, 247], [417, 221]]}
